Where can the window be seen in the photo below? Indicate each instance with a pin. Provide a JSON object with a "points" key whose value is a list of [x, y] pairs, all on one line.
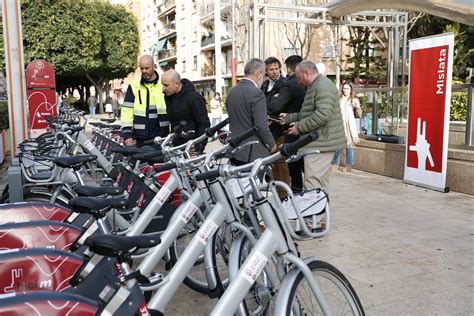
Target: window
{"points": [[195, 63], [287, 52], [184, 66]]}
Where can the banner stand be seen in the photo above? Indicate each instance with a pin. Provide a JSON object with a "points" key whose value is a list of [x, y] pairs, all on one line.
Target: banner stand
{"points": [[429, 104], [422, 185]]}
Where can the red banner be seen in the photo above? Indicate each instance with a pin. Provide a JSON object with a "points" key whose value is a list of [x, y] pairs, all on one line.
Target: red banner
{"points": [[429, 107]]}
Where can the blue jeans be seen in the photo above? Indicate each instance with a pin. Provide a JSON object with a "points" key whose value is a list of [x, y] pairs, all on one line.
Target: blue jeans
{"points": [[349, 157], [215, 121], [92, 110]]}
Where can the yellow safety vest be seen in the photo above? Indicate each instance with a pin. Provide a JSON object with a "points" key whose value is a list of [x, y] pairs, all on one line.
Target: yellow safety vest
{"points": [[147, 114]]}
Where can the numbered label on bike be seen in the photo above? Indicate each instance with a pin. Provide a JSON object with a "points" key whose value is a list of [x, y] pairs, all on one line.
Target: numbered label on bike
{"points": [[188, 211], [253, 266], [163, 195], [206, 231]]}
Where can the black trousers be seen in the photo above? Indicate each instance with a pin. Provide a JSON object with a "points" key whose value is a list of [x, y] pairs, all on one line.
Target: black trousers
{"points": [[296, 174]]}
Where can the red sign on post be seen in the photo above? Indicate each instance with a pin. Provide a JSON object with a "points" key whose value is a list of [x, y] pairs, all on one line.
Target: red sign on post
{"points": [[41, 87]]}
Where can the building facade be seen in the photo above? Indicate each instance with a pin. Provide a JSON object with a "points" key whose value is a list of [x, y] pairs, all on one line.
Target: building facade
{"points": [[199, 38]]}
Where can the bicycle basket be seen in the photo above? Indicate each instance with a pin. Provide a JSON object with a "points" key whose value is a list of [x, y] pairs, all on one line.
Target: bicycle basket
{"points": [[308, 203]]}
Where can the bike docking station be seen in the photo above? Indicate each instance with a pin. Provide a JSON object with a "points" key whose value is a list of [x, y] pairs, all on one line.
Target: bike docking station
{"points": [[15, 182]]}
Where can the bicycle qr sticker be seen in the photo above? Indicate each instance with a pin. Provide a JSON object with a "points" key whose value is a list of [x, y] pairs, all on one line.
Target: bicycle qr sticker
{"points": [[163, 194], [253, 266], [188, 211], [206, 231]]}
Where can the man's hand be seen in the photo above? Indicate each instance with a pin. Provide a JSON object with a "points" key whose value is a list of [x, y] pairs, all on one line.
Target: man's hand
{"points": [[293, 130], [282, 118], [274, 149], [129, 142]]}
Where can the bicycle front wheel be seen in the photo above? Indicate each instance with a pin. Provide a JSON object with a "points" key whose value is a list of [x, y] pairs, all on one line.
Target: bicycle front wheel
{"points": [[335, 288]]}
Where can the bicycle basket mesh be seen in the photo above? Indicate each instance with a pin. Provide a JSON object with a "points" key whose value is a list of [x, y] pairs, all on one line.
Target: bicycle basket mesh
{"points": [[308, 203]]}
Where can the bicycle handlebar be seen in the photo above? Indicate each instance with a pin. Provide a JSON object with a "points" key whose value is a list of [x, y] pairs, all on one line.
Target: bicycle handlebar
{"points": [[165, 167], [288, 150], [208, 175], [212, 130], [235, 141]]}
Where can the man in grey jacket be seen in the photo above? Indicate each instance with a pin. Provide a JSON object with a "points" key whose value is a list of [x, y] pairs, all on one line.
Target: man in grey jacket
{"points": [[320, 112], [247, 108]]}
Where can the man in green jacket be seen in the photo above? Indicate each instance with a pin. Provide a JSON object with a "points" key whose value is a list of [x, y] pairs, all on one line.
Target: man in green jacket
{"points": [[320, 112]]}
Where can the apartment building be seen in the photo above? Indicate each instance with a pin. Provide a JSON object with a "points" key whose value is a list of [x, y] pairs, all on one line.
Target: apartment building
{"points": [[195, 37]]}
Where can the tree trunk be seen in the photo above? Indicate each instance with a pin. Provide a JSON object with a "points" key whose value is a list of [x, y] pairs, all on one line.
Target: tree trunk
{"points": [[98, 84]]}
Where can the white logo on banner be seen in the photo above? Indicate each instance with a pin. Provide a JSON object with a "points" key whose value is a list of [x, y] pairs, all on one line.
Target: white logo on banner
{"points": [[422, 147]]}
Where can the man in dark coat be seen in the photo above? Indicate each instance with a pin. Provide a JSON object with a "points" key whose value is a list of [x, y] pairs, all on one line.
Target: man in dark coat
{"points": [[185, 105], [247, 108], [271, 87], [289, 100]]}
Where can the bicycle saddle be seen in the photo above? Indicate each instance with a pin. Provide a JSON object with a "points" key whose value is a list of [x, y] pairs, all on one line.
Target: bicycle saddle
{"points": [[91, 190], [113, 245], [108, 120], [90, 205], [113, 126], [132, 150], [74, 162]]}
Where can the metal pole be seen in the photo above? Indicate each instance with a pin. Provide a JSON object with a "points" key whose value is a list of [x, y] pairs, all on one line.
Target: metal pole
{"points": [[396, 62], [14, 62], [375, 114], [234, 60], [470, 117], [255, 30], [217, 45]]}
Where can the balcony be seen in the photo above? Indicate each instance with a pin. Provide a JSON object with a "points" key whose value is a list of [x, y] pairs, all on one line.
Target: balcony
{"points": [[167, 54], [207, 42], [207, 70], [207, 9], [167, 7], [167, 30]]}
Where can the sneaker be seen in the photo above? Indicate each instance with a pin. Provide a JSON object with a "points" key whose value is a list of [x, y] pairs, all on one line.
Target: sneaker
{"points": [[334, 168], [347, 169]]}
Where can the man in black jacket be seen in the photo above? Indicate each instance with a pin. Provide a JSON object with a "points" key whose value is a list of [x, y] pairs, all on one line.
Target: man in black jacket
{"points": [[185, 105], [271, 88], [289, 100]]}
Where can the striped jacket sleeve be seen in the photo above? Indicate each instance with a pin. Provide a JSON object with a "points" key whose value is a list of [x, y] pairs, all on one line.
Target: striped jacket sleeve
{"points": [[127, 109]]}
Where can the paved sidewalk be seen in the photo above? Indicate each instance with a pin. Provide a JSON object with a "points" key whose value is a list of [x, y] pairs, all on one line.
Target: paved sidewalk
{"points": [[405, 249]]}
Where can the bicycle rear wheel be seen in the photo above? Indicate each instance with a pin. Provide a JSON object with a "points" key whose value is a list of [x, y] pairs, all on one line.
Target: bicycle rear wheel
{"points": [[336, 289]]}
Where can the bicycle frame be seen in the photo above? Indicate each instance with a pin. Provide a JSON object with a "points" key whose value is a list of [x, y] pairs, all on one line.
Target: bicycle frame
{"points": [[273, 240]]}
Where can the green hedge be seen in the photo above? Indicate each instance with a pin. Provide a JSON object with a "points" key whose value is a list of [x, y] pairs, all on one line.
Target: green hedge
{"points": [[4, 124]]}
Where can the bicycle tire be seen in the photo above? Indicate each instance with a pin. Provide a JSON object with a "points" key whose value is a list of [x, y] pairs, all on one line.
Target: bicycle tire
{"points": [[338, 292], [45, 197]]}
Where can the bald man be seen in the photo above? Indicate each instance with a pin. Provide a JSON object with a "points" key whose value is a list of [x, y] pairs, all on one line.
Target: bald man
{"points": [[144, 109], [184, 104]]}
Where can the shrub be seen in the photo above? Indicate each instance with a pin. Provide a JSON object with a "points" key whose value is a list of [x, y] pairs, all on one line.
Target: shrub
{"points": [[4, 124]]}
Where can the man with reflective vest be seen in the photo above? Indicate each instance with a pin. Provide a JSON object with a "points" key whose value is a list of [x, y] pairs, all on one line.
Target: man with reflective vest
{"points": [[144, 108]]}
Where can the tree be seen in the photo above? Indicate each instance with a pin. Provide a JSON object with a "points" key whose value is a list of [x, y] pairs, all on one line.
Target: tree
{"points": [[64, 33], [367, 44], [85, 42], [119, 46], [428, 25], [300, 35]]}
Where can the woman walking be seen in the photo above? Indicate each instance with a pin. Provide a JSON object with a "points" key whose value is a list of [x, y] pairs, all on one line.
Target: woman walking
{"points": [[216, 109], [350, 107]]}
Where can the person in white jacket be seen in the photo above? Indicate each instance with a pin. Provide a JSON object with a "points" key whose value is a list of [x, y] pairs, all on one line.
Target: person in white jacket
{"points": [[350, 108]]}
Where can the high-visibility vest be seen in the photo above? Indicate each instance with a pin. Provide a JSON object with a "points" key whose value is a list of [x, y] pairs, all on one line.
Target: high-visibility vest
{"points": [[147, 114]]}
